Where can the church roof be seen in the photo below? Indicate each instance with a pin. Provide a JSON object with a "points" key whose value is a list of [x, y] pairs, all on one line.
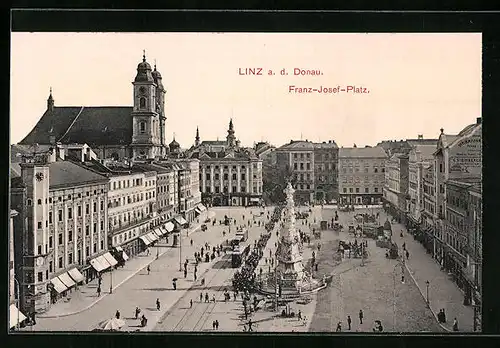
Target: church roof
{"points": [[97, 125], [297, 145], [214, 142]]}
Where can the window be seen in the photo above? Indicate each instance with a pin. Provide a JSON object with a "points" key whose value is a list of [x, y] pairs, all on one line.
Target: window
{"points": [[234, 189], [102, 205], [87, 230], [70, 236], [70, 258], [51, 265], [39, 202], [87, 209], [50, 217], [102, 241], [308, 186], [95, 247], [350, 189], [60, 238], [216, 176], [102, 225], [95, 227], [87, 251], [61, 262], [375, 170], [234, 176], [70, 213], [217, 189], [39, 249], [376, 189], [440, 167], [243, 189], [40, 276], [207, 176], [383, 170], [50, 242], [207, 189], [226, 176], [95, 207], [79, 211], [29, 202], [39, 224], [357, 189], [243, 176], [302, 165], [295, 166], [308, 166], [59, 216], [367, 189], [345, 190], [142, 103]]}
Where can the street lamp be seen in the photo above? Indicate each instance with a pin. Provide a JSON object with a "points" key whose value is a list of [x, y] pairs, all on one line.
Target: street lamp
{"points": [[180, 249], [111, 281], [427, 292]]}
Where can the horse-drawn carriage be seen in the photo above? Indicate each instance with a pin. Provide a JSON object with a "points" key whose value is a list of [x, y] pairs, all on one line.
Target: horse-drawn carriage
{"points": [[337, 226]]}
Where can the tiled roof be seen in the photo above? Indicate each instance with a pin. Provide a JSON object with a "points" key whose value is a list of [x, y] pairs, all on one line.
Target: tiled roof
{"points": [[153, 167], [297, 145], [415, 142], [213, 142], [100, 125], [66, 173], [362, 152], [326, 145]]}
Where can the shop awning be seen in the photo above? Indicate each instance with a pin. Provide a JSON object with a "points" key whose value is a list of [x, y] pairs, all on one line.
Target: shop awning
{"points": [[201, 207], [97, 265], [15, 316], [152, 236], [112, 261], [66, 279], [169, 226], [163, 230], [254, 199], [145, 240], [58, 285], [124, 255], [158, 232], [197, 210], [103, 262], [119, 248], [180, 220], [76, 275]]}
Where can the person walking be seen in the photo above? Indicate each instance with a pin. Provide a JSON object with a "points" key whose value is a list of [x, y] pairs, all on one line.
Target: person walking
{"points": [[213, 324], [185, 273], [137, 312], [148, 269], [117, 314], [407, 254], [339, 327], [98, 291], [191, 303], [349, 322], [216, 324], [206, 297], [361, 317], [201, 297], [455, 324], [158, 304], [191, 242], [195, 277], [213, 298], [250, 325], [174, 284]]}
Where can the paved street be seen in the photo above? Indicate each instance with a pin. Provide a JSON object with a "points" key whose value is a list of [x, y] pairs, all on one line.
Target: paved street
{"points": [[354, 287]]}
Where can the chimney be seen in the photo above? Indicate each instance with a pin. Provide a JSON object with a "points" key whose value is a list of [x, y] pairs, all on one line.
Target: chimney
{"points": [[420, 136], [329, 141], [478, 120]]}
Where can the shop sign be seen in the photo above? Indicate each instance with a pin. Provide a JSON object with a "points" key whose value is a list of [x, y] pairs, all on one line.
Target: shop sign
{"points": [[465, 157]]}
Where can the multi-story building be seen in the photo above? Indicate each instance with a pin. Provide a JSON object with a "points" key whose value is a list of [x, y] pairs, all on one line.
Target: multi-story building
{"points": [[61, 225], [16, 317], [326, 160], [118, 132], [473, 272], [392, 147], [458, 159], [361, 175], [420, 157], [228, 173], [396, 186], [266, 152], [432, 240]]}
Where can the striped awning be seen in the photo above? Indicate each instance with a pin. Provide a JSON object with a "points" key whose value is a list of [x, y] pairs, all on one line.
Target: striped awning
{"points": [[152, 236], [97, 265], [76, 275], [112, 261], [104, 262], [145, 240], [169, 226], [197, 210], [201, 207], [66, 279], [124, 255], [158, 232], [180, 220], [58, 285], [15, 316]]}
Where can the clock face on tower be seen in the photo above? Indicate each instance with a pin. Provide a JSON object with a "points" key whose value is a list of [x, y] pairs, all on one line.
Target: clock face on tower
{"points": [[39, 176], [142, 90]]}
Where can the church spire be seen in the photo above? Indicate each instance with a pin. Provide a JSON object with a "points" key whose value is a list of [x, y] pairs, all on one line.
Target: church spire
{"points": [[50, 101], [231, 139], [197, 138]]}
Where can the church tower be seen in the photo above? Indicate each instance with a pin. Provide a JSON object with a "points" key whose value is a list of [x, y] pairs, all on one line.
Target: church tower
{"points": [[197, 138], [231, 139], [160, 109], [146, 137]]}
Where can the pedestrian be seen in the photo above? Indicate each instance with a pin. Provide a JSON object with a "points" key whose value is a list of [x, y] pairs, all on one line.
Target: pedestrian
{"points": [[195, 277], [234, 296], [404, 246], [148, 269], [174, 285], [444, 316], [185, 272], [206, 297], [117, 314], [158, 304], [339, 327], [98, 291], [144, 321], [191, 303], [361, 316], [191, 242], [250, 325], [299, 315], [216, 324], [137, 312], [349, 322], [213, 324], [407, 254], [201, 297], [213, 298], [455, 324]]}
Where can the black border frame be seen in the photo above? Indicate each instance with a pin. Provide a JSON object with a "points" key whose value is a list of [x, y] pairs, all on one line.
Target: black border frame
{"points": [[285, 21]]}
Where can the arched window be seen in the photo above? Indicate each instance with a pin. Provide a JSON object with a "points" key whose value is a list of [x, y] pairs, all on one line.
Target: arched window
{"points": [[39, 202], [29, 202], [142, 103], [142, 127]]}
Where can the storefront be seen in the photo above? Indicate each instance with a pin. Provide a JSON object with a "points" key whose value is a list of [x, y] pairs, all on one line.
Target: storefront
{"points": [[133, 248]]}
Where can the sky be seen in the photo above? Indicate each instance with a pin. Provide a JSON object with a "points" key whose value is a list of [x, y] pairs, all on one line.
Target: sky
{"points": [[413, 83]]}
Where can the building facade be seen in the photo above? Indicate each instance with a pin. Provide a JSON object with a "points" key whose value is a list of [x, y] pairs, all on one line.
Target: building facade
{"points": [[326, 161], [61, 225], [361, 175], [396, 186], [228, 173]]}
